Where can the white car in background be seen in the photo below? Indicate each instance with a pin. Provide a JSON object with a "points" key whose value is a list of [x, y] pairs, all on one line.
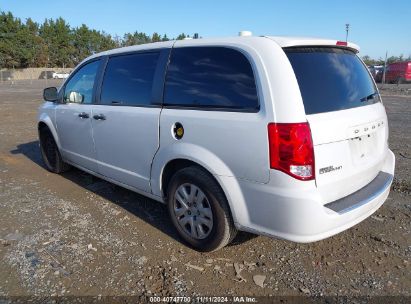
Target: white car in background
{"points": [[285, 137], [57, 75]]}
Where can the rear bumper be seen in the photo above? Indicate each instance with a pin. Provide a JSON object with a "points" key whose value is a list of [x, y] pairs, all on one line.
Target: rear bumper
{"points": [[363, 196], [300, 216]]}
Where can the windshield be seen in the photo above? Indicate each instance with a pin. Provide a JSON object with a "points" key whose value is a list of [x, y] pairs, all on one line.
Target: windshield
{"points": [[331, 79]]}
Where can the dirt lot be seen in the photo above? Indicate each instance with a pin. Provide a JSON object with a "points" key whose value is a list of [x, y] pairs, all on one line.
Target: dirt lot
{"points": [[77, 235]]}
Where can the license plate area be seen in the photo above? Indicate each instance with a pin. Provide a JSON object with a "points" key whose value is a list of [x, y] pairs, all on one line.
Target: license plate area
{"points": [[363, 148]]}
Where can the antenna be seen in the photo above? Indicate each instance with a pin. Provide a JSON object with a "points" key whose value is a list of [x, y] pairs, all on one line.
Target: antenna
{"points": [[347, 28], [245, 33]]}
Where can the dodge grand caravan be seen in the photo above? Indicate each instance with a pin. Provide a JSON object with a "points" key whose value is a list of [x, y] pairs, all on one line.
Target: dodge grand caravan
{"points": [[285, 137]]}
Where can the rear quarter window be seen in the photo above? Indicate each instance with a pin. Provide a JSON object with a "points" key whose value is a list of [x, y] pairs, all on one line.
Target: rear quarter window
{"points": [[210, 78], [331, 79]]}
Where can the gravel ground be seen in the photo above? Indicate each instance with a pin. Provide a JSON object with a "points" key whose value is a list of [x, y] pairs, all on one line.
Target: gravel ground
{"points": [[395, 89], [77, 235]]}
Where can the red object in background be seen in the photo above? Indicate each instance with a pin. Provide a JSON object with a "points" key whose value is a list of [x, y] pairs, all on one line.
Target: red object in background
{"points": [[398, 72]]}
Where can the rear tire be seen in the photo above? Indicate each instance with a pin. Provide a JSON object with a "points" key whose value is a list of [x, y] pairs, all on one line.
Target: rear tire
{"points": [[50, 152], [199, 210], [400, 80]]}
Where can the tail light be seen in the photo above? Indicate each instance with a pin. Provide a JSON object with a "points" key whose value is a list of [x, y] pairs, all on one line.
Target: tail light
{"points": [[291, 149], [343, 43]]}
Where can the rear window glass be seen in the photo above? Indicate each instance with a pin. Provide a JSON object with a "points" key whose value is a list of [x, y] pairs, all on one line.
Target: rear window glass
{"points": [[210, 77], [331, 79]]}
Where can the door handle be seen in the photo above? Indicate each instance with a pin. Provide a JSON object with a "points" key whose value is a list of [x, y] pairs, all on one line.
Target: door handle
{"points": [[99, 117], [83, 115]]}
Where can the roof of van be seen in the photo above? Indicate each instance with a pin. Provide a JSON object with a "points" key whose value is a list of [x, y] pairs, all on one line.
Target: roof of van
{"points": [[282, 41]]}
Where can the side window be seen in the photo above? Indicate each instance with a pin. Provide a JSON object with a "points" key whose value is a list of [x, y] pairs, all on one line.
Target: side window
{"points": [[210, 77], [128, 79], [79, 88]]}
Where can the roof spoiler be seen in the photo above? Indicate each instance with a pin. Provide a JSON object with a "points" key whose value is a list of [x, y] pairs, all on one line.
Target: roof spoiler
{"points": [[311, 42]]}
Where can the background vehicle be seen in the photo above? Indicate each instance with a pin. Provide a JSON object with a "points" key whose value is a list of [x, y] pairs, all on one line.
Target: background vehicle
{"points": [[398, 72], [372, 70], [46, 74], [378, 74], [60, 75], [261, 134]]}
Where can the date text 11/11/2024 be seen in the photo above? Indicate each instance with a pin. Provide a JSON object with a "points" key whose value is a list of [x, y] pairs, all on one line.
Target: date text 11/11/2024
{"points": [[203, 299]]}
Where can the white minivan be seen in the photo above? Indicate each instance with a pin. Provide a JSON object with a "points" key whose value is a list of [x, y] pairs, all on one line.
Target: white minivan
{"points": [[285, 137]]}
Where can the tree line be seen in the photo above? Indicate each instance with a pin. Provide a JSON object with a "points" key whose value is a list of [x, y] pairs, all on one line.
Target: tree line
{"points": [[372, 62], [55, 43]]}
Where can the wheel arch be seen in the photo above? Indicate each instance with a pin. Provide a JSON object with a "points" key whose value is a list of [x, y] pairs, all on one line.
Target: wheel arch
{"points": [[177, 164], [185, 154], [164, 167], [46, 122]]}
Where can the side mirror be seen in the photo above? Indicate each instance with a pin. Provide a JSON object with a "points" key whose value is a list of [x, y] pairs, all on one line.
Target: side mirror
{"points": [[75, 97], [50, 94]]}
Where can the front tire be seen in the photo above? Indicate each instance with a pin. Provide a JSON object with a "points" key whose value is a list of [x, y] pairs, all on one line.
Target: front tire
{"points": [[199, 210], [50, 152]]}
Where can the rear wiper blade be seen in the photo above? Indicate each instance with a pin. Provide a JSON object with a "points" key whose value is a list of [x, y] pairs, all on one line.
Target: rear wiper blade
{"points": [[371, 96]]}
